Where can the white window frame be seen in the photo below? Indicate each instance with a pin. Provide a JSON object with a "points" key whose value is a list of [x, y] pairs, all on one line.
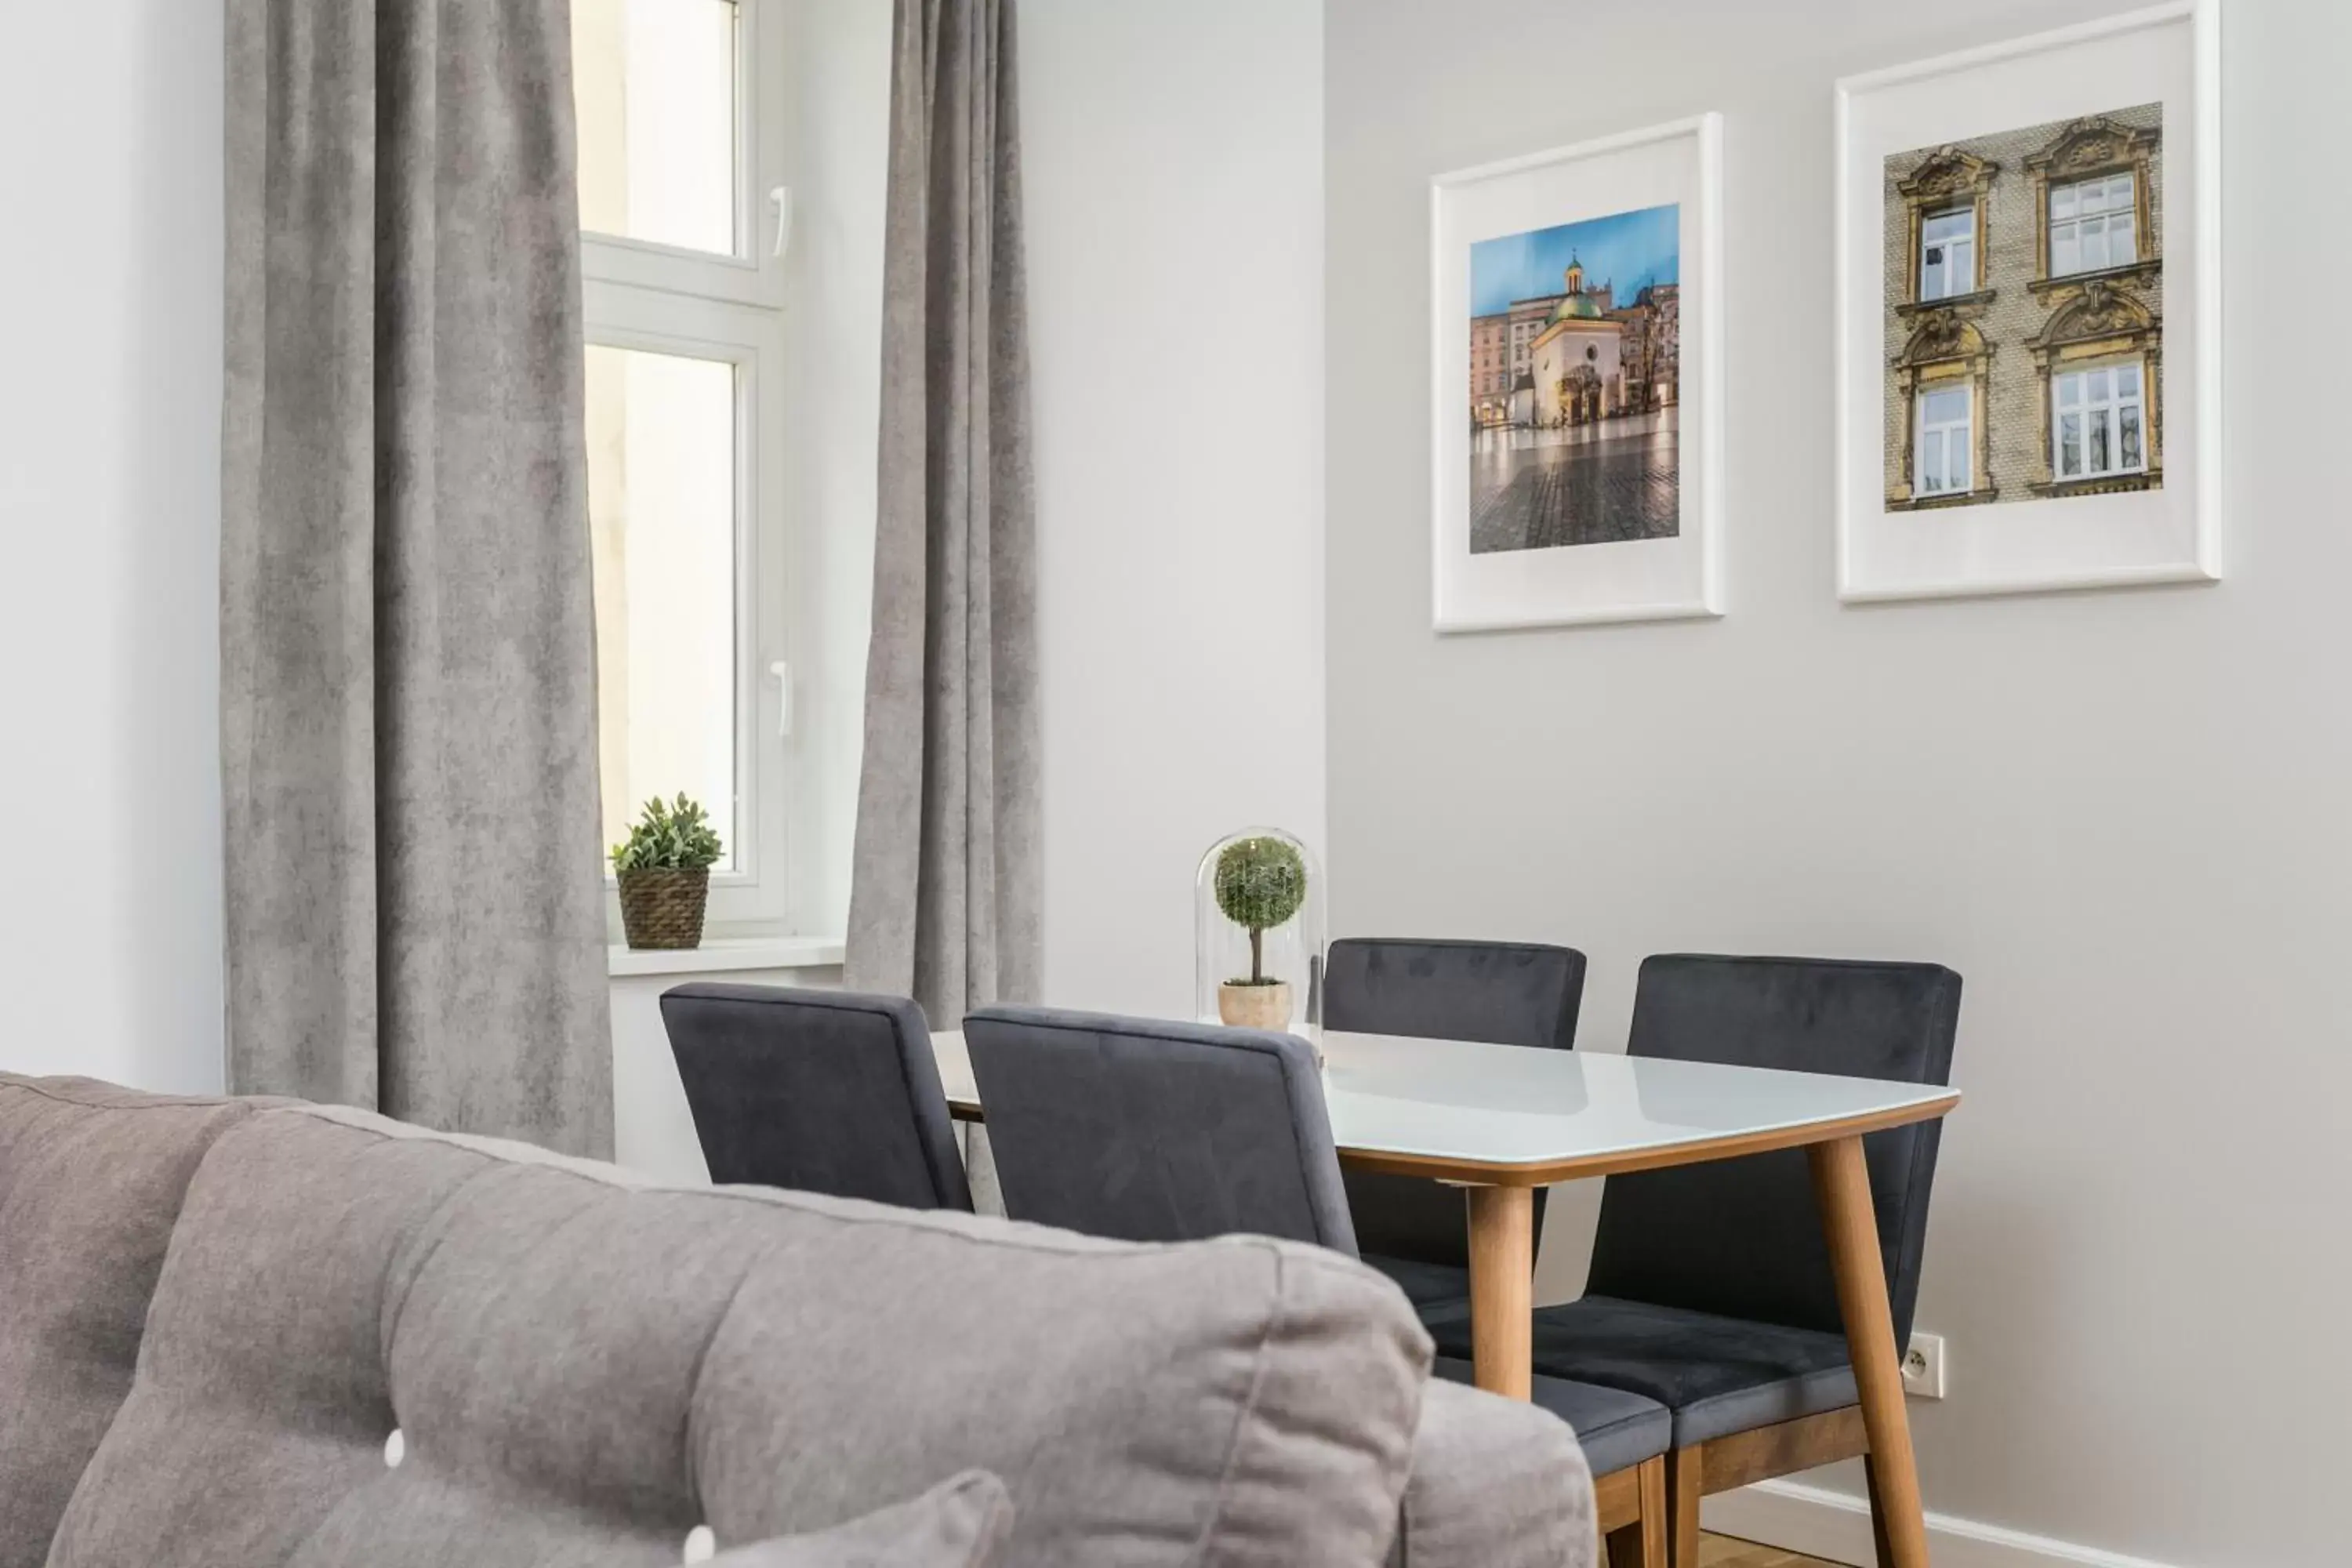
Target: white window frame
{"points": [[2073, 223], [1965, 425], [673, 299], [1957, 281], [2110, 410]]}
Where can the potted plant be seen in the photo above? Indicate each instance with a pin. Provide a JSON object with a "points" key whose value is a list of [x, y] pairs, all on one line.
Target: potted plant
{"points": [[663, 869], [1261, 882]]}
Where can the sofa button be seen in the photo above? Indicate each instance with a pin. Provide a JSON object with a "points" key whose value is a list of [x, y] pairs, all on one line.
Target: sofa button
{"points": [[395, 1449], [701, 1545]]}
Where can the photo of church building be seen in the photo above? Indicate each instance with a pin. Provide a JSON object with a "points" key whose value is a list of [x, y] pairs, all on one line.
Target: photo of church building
{"points": [[2024, 313], [1573, 397]]}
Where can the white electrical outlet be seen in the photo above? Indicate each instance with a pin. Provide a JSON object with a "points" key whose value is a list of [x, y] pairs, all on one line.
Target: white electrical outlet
{"points": [[1923, 1367]]}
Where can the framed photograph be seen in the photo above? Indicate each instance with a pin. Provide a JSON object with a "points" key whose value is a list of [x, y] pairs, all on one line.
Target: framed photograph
{"points": [[2028, 309], [1577, 383]]}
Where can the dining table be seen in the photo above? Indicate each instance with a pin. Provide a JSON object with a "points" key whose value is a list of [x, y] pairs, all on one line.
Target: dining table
{"points": [[1500, 1122]]}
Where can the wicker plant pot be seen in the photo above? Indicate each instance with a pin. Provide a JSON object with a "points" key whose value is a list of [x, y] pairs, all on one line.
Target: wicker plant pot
{"points": [[663, 908]]}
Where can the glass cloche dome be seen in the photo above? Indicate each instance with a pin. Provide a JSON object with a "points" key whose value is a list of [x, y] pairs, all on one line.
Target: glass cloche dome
{"points": [[1258, 903]]}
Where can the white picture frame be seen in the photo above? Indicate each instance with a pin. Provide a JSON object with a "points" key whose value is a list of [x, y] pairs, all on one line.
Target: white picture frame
{"points": [[1611, 578], [2027, 526]]}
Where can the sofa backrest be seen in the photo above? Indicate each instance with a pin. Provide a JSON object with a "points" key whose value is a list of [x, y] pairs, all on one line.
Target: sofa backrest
{"points": [[584, 1368], [91, 1183], [92, 1179]]}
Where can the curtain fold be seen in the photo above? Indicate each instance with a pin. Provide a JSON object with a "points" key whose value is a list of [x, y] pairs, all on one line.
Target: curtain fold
{"points": [[415, 895], [945, 895]]}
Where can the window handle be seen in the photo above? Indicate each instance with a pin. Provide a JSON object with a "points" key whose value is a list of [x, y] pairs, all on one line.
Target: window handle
{"points": [[780, 198], [784, 674]]}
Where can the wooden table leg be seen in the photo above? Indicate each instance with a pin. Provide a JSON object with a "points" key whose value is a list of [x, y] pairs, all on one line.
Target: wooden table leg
{"points": [[1502, 1288], [1842, 1187]]}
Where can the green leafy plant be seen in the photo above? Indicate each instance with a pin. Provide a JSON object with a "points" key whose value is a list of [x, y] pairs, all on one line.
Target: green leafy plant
{"points": [[674, 836], [1261, 882]]}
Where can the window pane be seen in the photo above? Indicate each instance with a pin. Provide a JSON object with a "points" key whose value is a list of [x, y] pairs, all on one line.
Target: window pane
{"points": [[1955, 457], [661, 506], [2070, 391], [653, 83], [1931, 462], [2131, 436], [2098, 456], [2098, 386], [1949, 225], [2070, 446], [2065, 251], [1946, 406]]}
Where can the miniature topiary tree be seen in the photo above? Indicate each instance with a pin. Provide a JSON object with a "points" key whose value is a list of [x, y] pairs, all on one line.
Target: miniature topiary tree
{"points": [[1261, 882]]}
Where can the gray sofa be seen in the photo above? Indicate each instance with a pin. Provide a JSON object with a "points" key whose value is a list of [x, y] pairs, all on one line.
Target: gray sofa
{"points": [[215, 1315]]}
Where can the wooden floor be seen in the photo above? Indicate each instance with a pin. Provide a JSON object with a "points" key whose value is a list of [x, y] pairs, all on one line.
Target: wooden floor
{"points": [[1722, 1551]]}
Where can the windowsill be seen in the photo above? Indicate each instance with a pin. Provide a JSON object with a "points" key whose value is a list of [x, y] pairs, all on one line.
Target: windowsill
{"points": [[2145, 266], [1969, 305], [725, 955]]}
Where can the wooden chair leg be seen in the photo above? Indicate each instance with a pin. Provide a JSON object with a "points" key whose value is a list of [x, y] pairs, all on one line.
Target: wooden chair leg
{"points": [[1685, 1486], [1654, 1512], [1643, 1543], [1877, 1516]]}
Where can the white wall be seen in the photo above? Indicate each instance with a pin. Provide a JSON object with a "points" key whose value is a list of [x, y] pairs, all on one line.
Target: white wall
{"points": [[2121, 816], [1173, 160], [840, 148], [110, 417]]}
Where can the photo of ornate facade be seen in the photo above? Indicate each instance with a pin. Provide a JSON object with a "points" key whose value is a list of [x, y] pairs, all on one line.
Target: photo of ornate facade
{"points": [[1572, 405], [2024, 313]]}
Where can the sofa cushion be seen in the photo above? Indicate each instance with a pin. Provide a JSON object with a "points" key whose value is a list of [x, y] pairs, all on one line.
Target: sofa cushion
{"points": [[960, 1523], [91, 1181], [1496, 1483], [584, 1367]]}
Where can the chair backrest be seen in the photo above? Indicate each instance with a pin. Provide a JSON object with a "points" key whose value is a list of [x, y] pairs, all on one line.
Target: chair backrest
{"points": [[1503, 993], [1743, 1237], [1145, 1130], [820, 1092]]}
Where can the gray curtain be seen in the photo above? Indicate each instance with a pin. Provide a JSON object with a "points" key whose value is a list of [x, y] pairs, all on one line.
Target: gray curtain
{"points": [[944, 906], [415, 899]]}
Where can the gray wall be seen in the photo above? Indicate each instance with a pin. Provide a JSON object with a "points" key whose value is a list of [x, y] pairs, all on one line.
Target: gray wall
{"points": [[2121, 815], [1173, 165]]}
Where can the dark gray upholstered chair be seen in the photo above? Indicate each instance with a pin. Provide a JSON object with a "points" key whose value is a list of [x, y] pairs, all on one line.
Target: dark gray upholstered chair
{"points": [[1156, 1131], [1161, 1132], [1505, 994], [824, 1091], [1710, 1290]]}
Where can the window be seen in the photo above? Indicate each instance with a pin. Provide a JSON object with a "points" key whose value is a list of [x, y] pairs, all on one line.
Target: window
{"points": [[2092, 225], [1943, 452], [1948, 254], [2099, 427], [655, 85], [679, 141]]}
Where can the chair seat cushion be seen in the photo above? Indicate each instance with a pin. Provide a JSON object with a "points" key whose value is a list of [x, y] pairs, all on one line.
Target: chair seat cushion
{"points": [[1431, 1287], [1615, 1429], [1717, 1375]]}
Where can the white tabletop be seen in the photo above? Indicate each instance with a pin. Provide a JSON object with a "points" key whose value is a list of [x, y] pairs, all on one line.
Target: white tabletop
{"points": [[1509, 1114]]}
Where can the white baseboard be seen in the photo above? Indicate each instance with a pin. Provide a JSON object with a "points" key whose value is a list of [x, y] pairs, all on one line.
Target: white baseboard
{"points": [[1836, 1527]]}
